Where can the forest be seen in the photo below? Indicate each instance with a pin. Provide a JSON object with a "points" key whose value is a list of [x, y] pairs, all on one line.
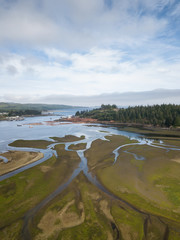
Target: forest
{"points": [[23, 112], [165, 115]]}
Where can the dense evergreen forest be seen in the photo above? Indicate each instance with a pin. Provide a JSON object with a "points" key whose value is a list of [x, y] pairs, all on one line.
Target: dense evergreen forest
{"points": [[164, 115]]}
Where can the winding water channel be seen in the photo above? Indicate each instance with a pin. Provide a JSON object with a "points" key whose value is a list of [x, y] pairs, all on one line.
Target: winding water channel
{"points": [[10, 132]]}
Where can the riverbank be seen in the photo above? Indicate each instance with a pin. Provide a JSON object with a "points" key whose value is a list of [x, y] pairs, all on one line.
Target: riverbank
{"points": [[17, 159], [147, 130]]}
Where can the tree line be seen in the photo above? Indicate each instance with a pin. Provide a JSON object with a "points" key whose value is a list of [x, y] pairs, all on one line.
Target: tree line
{"points": [[23, 112], [164, 115]]}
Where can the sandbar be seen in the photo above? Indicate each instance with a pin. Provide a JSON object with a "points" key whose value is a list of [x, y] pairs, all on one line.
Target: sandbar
{"points": [[17, 159]]}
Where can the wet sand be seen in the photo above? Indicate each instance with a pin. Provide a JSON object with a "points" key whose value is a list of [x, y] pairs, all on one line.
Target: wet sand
{"points": [[17, 159]]}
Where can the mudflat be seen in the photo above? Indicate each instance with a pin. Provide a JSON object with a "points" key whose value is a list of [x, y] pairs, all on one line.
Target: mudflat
{"points": [[17, 159]]}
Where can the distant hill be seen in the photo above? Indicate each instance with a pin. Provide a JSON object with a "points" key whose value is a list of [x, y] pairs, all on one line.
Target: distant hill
{"points": [[7, 107]]}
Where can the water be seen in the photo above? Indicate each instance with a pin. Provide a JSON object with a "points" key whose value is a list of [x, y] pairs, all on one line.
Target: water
{"points": [[9, 132], [5, 160], [137, 157]]}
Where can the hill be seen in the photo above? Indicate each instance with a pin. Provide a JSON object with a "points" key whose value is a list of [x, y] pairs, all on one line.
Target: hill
{"points": [[7, 107]]}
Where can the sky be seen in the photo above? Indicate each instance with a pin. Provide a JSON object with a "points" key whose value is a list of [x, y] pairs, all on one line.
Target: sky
{"points": [[87, 48]]}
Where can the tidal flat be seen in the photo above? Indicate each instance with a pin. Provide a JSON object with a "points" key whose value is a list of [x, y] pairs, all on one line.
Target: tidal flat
{"points": [[23, 191], [17, 159], [151, 185], [85, 192]]}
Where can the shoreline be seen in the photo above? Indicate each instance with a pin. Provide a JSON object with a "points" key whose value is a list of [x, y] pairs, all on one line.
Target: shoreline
{"points": [[147, 130], [25, 158]]}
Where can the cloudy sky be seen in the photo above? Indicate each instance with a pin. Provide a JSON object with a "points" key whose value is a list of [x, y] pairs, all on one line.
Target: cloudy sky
{"points": [[87, 47]]}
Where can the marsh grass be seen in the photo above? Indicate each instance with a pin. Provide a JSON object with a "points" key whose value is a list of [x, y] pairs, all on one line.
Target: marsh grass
{"points": [[41, 144], [100, 152], [130, 222], [151, 185], [12, 231], [68, 138], [153, 132], [23, 191], [82, 211], [93, 225], [79, 146], [98, 217]]}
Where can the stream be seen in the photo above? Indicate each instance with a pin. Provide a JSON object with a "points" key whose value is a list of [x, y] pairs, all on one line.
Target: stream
{"points": [[91, 134], [84, 167]]}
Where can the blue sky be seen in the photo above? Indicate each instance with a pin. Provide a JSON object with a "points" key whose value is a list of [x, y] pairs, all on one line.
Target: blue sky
{"points": [[80, 47]]}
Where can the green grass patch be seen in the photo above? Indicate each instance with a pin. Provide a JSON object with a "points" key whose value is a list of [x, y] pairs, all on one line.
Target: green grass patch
{"points": [[41, 144], [138, 163], [101, 150], [171, 187], [130, 223], [12, 232], [152, 131], [174, 235], [79, 146], [94, 225], [68, 138], [24, 190], [133, 180]]}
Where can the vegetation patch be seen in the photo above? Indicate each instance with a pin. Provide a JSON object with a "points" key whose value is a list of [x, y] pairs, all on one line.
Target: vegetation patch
{"points": [[101, 152], [41, 144], [129, 222], [171, 187], [141, 183], [150, 189], [79, 146], [12, 231], [84, 212], [23, 191], [154, 132], [68, 138], [76, 214]]}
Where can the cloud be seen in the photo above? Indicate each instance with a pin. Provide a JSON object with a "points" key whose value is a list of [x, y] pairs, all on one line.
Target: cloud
{"points": [[96, 71], [88, 47], [20, 23], [78, 24], [159, 96], [12, 70]]}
